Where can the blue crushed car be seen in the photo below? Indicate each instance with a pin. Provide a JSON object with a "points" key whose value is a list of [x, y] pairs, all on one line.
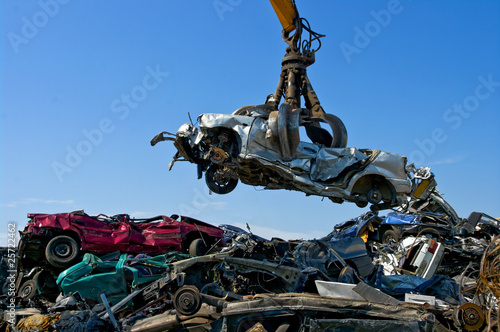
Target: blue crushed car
{"points": [[372, 227]]}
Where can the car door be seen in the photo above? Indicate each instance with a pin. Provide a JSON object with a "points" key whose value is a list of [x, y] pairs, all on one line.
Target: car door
{"points": [[164, 233]]}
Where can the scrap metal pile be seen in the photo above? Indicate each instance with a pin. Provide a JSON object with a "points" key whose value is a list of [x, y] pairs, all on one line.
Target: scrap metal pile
{"points": [[417, 266], [403, 271]]}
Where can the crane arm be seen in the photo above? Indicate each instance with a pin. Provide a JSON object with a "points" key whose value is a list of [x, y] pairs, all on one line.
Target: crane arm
{"points": [[286, 12]]}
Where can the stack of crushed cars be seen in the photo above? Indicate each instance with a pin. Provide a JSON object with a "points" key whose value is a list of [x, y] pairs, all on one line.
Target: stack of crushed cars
{"points": [[406, 271]]}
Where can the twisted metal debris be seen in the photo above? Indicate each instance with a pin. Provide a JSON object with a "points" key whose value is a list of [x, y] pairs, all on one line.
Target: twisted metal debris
{"points": [[488, 284]]}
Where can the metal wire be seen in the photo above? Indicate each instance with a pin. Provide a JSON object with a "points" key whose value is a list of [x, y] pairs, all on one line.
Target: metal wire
{"points": [[488, 284]]}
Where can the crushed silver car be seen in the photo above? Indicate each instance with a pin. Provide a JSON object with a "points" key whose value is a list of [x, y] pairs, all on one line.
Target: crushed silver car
{"points": [[261, 147]]}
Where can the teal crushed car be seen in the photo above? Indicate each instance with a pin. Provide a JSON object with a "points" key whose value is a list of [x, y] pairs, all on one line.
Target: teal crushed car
{"points": [[116, 278]]}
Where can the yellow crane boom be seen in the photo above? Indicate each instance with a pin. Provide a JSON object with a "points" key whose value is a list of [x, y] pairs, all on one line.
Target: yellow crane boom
{"points": [[286, 12]]}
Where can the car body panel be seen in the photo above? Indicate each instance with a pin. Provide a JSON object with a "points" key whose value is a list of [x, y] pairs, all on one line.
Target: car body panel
{"points": [[120, 232], [247, 147], [314, 170], [396, 218], [427, 259], [321, 313], [371, 226], [412, 224], [324, 255], [362, 226], [116, 279]]}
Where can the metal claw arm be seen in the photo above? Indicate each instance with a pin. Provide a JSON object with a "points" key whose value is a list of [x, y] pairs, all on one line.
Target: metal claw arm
{"points": [[294, 83]]}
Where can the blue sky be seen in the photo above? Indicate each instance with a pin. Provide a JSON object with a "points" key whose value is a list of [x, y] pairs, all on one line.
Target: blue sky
{"points": [[86, 84]]}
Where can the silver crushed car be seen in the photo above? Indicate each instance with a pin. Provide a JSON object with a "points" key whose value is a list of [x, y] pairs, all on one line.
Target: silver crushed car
{"points": [[261, 147]]}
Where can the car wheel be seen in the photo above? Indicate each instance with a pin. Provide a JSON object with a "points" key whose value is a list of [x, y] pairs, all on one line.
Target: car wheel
{"points": [[197, 247], [218, 181], [47, 286], [374, 196], [187, 300], [27, 290], [61, 251], [361, 204], [390, 235]]}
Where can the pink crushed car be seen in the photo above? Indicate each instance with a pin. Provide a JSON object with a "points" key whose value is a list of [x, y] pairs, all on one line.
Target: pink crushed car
{"points": [[61, 237]]}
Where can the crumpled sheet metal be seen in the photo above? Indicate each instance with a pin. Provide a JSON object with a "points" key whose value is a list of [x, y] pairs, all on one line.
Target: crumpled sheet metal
{"points": [[310, 304], [169, 321], [263, 159], [310, 164], [312, 254], [356, 227], [320, 325], [391, 261], [322, 164], [239, 123], [330, 162], [181, 271], [59, 221], [81, 321], [439, 286], [388, 261], [401, 218]]}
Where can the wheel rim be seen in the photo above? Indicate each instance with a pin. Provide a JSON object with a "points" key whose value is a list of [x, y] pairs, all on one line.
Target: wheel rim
{"points": [[187, 300], [220, 179], [472, 316], [26, 291], [374, 196], [390, 237], [63, 250]]}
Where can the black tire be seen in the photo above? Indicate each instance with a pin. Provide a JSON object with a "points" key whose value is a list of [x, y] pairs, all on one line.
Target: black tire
{"points": [[47, 286], [219, 182], [197, 247], [361, 204], [27, 290], [390, 235], [62, 251]]}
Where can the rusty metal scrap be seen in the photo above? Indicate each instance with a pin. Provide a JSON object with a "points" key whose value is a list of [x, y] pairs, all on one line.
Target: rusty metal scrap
{"points": [[488, 284], [252, 281]]}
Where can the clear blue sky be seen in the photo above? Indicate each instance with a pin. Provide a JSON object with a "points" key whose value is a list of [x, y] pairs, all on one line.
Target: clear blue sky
{"points": [[86, 84]]}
